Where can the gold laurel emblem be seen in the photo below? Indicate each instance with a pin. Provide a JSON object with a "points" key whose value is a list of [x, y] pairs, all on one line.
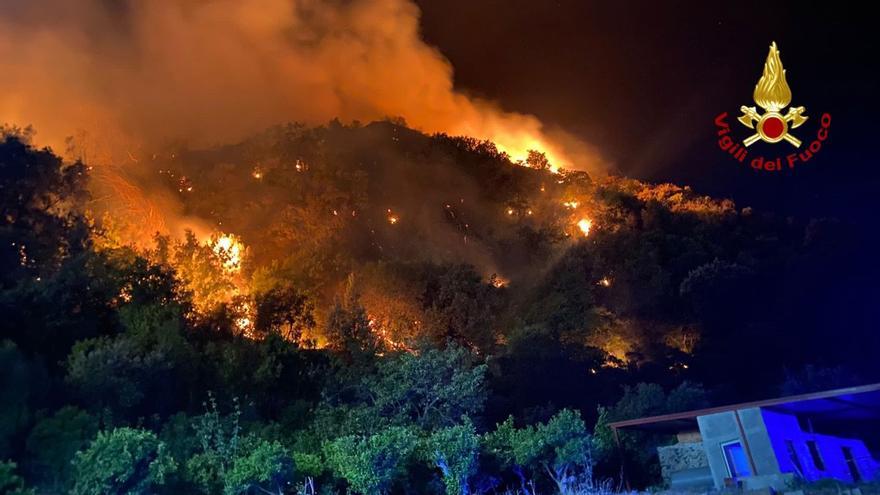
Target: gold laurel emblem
{"points": [[772, 94]]}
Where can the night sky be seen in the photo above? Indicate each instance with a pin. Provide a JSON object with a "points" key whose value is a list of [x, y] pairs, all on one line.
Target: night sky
{"points": [[643, 81]]}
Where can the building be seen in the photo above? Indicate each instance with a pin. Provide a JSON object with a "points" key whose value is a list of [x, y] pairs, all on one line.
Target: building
{"points": [[767, 443]]}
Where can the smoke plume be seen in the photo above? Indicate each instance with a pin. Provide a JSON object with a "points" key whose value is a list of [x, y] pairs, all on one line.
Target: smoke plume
{"points": [[212, 71]]}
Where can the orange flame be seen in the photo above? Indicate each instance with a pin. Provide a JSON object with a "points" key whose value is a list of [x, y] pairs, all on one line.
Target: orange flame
{"points": [[585, 224], [230, 250]]}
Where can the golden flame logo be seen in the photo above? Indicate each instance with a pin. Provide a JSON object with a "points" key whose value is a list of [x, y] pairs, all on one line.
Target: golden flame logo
{"points": [[772, 94]]}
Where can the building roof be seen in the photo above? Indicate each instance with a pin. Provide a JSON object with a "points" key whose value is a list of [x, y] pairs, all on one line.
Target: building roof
{"points": [[844, 404]]}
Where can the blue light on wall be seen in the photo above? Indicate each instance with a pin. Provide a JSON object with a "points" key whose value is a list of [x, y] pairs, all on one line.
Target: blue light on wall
{"points": [[845, 459]]}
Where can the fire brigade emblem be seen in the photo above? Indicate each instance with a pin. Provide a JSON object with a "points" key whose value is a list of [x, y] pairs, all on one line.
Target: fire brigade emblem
{"points": [[773, 95]]}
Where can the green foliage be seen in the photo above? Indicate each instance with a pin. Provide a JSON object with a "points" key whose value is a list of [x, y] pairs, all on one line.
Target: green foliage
{"points": [[348, 329], [17, 392], [205, 472], [53, 442], [140, 336], [561, 448], [10, 482], [712, 289], [231, 463], [563, 303], [76, 302], [308, 464], [178, 436], [453, 450], [116, 373], [272, 371], [263, 465], [565, 447], [220, 438], [463, 308], [431, 389], [283, 310], [639, 448], [645, 399], [155, 325], [122, 461], [370, 464], [41, 200]]}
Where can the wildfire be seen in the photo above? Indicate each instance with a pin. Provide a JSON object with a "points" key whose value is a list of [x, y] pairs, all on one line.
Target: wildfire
{"points": [[257, 173], [498, 281], [585, 224], [385, 337], [245, 321], [135, 218], [571, 204], [392, 218], [230, 250], [604, 282], [517, 146], [124, 294]]}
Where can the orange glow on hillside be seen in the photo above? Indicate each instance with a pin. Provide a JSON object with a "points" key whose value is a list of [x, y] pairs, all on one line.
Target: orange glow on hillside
{"points": [[244, 323], [230, 250], [498, 281], [585, 224]]}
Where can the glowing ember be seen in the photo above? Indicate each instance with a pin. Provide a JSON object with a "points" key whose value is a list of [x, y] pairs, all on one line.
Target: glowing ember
{"points": [[604, 282], [381, 332], [245, 321], [571, 204], [22, 255], [585, 224], [498, 281], [230, 250], [124, 294], [510, 211], [184, 185], [257, 173], [392, 218]]}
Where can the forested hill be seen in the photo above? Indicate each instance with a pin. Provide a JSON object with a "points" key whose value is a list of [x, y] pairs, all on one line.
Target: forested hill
{"points": [[351, 282], [401, 212]]}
